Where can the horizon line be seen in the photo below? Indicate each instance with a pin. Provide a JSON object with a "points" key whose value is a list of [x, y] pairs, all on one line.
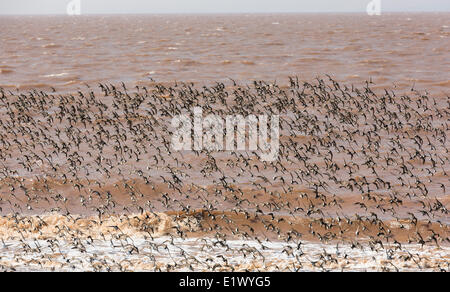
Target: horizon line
{"points": [[222, 13]]}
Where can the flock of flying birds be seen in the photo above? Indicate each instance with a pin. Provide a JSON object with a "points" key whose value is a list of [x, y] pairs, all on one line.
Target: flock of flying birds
{"points": [[89, 181]]}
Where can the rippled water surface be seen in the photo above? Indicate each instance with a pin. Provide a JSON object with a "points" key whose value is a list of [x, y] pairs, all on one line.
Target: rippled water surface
{"points": [[65, 52]]}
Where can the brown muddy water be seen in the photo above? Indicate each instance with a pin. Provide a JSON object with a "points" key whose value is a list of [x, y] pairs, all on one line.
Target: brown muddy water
{"points": [[89, 179]]}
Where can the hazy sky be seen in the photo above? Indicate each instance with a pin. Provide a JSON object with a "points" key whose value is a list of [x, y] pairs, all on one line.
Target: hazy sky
{"points": [[215, 6]]}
